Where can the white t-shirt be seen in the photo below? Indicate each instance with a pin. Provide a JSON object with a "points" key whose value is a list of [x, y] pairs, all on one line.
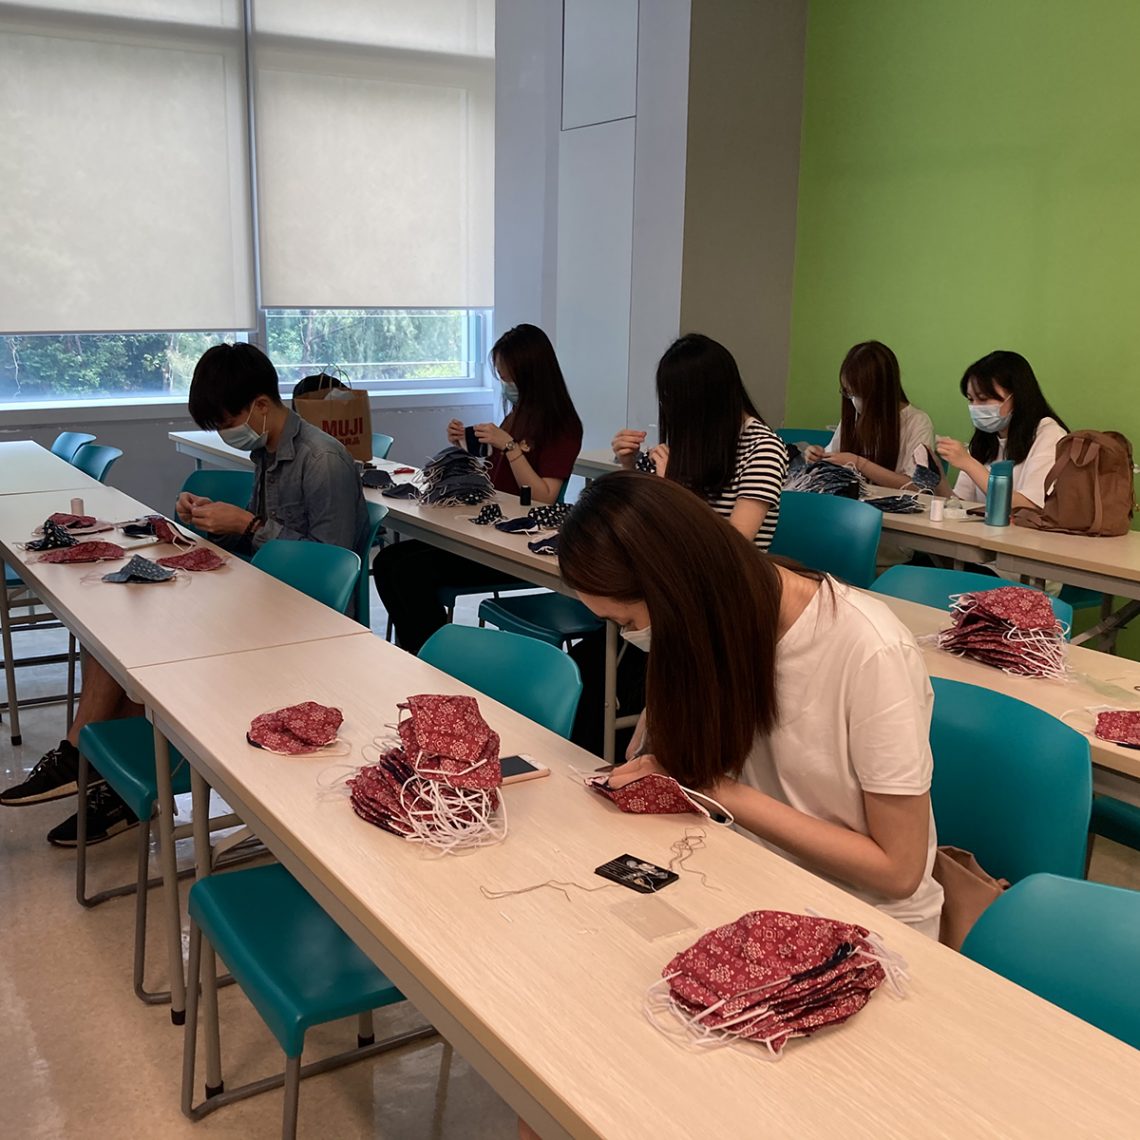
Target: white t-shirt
{"points": [[854, 704], [915, 428], [1028, 476]]}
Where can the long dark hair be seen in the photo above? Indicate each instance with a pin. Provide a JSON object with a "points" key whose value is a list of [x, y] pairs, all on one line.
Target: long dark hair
{"points": [[714, 609], [870, 371], [1012, 372], [544, 409], [701, 405]]}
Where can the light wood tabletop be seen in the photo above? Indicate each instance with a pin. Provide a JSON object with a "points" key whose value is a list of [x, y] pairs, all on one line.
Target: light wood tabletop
{"points": [[195, 615], [1094, 679], [27, 467], [543, 992]]}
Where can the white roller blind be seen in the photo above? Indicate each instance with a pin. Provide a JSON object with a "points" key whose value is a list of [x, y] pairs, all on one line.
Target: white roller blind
{"points": [[375, 152], [124, 196]]}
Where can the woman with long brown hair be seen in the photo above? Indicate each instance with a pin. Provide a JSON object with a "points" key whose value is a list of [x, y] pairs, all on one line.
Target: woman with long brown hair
{"points": [[879, 429], [800, 704], [535, 446]]}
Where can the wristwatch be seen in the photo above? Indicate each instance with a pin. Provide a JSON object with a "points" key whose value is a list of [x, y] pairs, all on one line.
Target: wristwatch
{"points": [[513, 445]]}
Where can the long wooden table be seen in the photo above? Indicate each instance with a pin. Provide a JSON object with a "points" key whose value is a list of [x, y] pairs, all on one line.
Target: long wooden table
{"points": [[542, 993], [126, 627], [27, 467]]}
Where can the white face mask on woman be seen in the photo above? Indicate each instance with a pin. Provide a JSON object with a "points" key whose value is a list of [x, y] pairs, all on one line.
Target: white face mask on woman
{"points": [[857, 404], [637, 637], [989, 418]]}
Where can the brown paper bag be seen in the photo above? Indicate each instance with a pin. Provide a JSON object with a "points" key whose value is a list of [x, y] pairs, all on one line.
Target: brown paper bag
{"points": [[344, 413], [968, 888]]}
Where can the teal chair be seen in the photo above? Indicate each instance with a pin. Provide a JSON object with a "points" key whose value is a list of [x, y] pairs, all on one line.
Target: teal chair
{"points": [[381, 445], [529, 676], [328, 574], [298, 969], [825, 532], [1011, 783], [234, 487], [816, 437], [67, 443], [362, 610], [933, 586], [550, 617], [95, 459], [1070, 942], [122, 751]]}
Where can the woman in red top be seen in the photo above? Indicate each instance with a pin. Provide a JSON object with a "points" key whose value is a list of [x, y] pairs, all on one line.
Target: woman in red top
{"points": [[535, 446]]}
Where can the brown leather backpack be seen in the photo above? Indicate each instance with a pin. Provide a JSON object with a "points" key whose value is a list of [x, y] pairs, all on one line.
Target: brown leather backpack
{"points": [[1088, 489]]}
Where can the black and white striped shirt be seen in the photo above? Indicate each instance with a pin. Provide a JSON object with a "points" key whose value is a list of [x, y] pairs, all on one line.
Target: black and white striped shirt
{"points": [[761, 464]]}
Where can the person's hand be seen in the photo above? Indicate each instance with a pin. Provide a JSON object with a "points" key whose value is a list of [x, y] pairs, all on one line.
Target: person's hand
{"points": [[634, 770], [455, 431], [843, 459], [492, 434], [814, 453], [626, 444], [185, 505], [953, 451], [220, 518], [660, 457]]}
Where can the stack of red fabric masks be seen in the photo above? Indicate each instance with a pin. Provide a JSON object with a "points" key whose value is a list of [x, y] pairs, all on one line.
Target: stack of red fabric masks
{"points": [[440, 785], [768, 977], [1010, 628]]}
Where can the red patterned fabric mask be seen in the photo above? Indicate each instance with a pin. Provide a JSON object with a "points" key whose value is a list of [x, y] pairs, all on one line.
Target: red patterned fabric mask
{"points": [[72, 522], [200, 558], [85, 552], [295, 730], [1119, 726], [446, 738], [651, 794]]}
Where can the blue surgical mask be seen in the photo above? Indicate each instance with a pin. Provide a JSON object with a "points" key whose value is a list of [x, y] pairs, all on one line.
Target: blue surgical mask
{"points": [[243, 437], [510, 392], [638, 638], [989, 418]]}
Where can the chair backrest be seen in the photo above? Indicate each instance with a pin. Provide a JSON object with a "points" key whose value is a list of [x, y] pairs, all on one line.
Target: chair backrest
{"points": [[362, 611], [527, 675], [815, 436], [326, 573], [1011, 783], [933, 586], [235, 487], [826, 532], [1072, 943], [95, 459], [381, 445], [67, 443]]}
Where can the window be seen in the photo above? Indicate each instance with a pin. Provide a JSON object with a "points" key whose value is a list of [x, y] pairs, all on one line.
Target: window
{"points": [[364, 241]]}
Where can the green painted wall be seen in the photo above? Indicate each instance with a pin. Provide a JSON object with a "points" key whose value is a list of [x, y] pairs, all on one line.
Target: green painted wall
{"points": [[970, 180]]}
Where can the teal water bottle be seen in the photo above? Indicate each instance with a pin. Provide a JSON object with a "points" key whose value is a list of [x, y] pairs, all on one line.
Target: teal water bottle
{"points": [[999, 493]]}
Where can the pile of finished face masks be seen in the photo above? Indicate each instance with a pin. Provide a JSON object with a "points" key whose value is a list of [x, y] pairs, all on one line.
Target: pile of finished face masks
{"points": [[453, 478], [824, 478], [1011, 628], [768, 977]]}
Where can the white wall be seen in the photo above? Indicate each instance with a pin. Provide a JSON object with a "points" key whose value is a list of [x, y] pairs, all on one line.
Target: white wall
{"points": [[590, 175]]}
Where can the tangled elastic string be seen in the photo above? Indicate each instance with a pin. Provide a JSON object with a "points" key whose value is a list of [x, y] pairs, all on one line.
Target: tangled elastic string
{"points": [[453, 819], [560, 885]]}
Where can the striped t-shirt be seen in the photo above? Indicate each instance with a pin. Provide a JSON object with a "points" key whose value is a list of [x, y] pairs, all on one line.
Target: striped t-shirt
{"points": [[761, 464]]}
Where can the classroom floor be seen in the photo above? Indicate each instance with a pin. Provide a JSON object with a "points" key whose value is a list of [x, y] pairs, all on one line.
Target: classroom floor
{"points": [[82, 1058]]}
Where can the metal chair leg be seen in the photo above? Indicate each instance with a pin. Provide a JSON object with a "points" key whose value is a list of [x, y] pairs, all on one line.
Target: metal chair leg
{"points": [[365, 1030], [9, 666], [292, 1097], [71, 653], [190, 1039]]}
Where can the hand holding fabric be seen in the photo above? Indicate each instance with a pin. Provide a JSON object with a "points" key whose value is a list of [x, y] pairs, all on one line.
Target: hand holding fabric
{"points": [[492, 434], [220, 518]]}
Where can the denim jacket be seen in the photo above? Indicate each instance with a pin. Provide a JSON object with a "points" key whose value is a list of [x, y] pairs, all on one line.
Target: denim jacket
{"points": [[308, 489]]}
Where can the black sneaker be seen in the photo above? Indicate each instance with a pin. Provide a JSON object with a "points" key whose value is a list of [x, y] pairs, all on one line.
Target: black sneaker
{"points": [[53, 778], [107, 816]]}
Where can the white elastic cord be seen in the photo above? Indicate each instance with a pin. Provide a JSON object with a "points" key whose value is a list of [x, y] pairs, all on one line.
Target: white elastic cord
{"points": [[729, 818], [452, 819]]}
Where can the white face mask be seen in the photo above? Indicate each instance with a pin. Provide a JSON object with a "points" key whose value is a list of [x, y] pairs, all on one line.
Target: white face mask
{"points": [[637, 637], [988, 417], [857, 404], [510, 392], [243, 437]]}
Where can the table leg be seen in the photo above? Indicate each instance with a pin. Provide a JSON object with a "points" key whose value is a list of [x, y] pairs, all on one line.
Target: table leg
{"points": [[1108, 627], [609, 742], [203, 866], [169, 864], [10, 668]]}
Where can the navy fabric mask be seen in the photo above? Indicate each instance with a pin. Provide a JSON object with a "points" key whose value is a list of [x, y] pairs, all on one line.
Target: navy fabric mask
{"points": [[548, 545], [140, 569], [492, 512], [54, 538]]}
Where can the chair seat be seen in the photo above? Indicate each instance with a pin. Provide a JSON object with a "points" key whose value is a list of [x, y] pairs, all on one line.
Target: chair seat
{"points": [[293, 962], [447, 595], [123, 752], [11, 578], [1080, 598], [1116, 820], [550, 617]]}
